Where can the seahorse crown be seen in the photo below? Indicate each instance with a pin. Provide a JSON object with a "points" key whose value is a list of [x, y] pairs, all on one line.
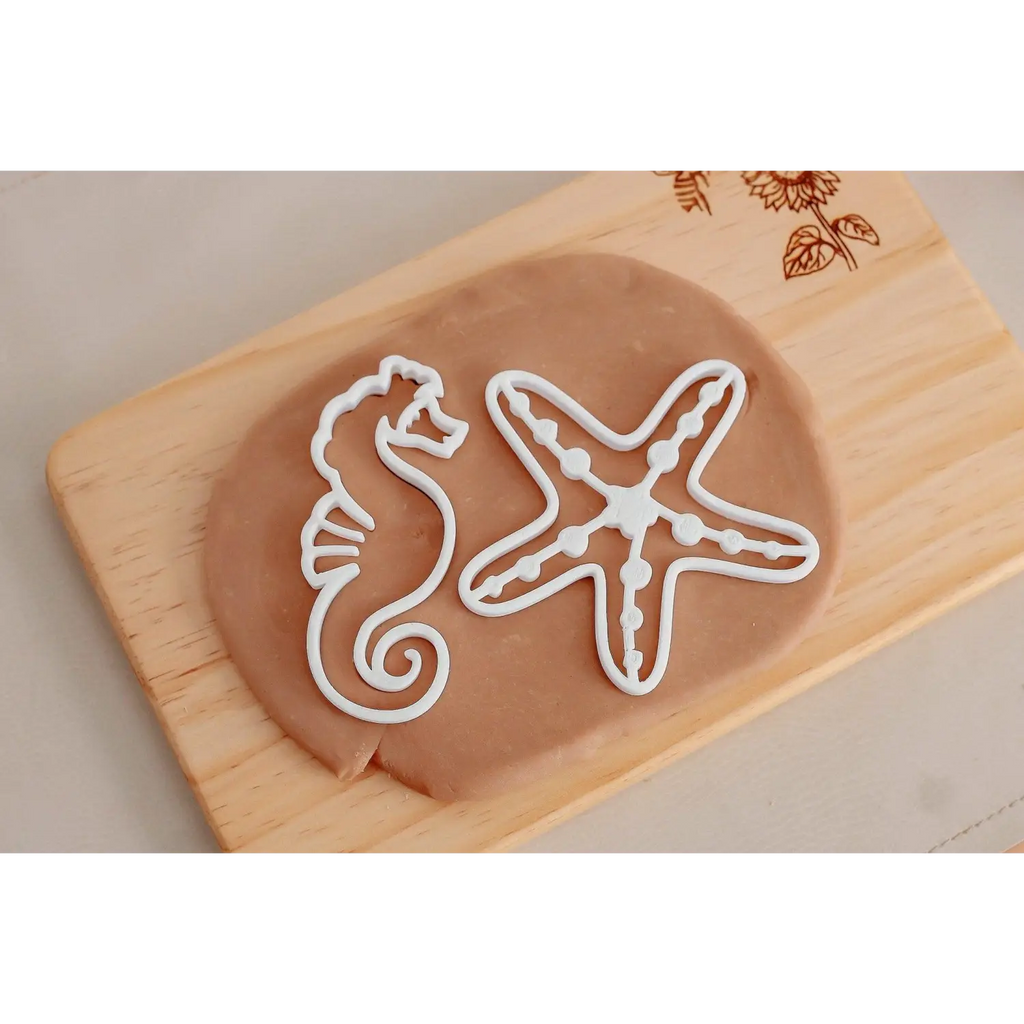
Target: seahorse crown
{"points": [[426, 398]]}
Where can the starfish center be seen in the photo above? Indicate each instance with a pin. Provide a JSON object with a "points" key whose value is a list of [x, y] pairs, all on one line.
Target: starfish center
{"points": [[630, 510]]}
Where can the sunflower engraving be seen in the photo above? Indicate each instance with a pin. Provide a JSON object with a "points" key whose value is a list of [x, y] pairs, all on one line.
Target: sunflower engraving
{"points": [[811, 247], [797, 189]]}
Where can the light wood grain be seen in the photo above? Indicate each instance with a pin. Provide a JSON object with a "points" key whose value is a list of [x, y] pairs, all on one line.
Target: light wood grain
{"points": [[920, 385]]}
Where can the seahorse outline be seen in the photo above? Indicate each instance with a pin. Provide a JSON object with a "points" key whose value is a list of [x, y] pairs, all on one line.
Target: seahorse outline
{"points": [[332, 581]]}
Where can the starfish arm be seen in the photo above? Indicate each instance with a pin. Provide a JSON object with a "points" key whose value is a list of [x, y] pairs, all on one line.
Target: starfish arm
{"points": [[573, 462], [732, 541], [689, 529], [741, 571], [522, 379], [629, 682], [471, 595], [572, 541], [634, 575], [498, 609]]}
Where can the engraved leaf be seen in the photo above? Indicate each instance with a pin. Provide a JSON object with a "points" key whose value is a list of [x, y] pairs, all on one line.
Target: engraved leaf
{"points": [[806, 252], [853, 225]]}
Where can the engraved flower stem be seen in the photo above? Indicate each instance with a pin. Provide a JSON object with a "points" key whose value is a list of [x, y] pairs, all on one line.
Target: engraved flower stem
{"points": [[837, 240]]}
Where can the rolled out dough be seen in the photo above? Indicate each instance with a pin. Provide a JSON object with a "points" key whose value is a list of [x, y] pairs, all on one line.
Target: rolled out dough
{"points": [[526, 694]]}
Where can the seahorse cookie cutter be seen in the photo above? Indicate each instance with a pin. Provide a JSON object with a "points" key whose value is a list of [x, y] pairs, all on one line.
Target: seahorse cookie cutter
{"points": [[630, 510], [332, 582]]}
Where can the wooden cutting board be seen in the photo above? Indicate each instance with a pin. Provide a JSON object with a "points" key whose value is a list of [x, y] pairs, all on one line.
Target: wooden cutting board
{"points": [[920, 385]]}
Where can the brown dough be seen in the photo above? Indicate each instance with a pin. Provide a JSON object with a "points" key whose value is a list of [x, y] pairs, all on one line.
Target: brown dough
{"points": [[526, 693]]}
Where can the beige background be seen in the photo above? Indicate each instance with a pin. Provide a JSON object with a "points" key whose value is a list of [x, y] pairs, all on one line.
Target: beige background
{"points": [[110, 283]]}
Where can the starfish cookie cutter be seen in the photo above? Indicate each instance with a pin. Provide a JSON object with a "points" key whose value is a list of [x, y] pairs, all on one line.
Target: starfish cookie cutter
{"points": [[632, 510]]}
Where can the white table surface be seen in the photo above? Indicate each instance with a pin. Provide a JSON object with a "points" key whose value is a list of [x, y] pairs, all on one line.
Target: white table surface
{"points": [[110, 283]]}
